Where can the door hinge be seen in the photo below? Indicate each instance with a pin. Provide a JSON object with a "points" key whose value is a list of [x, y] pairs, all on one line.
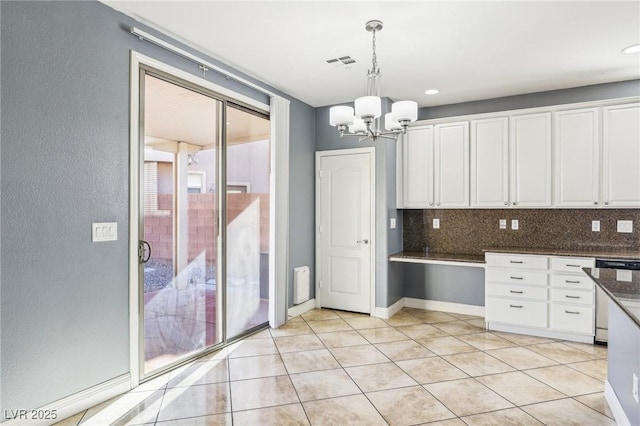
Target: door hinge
{"points": [[320, 174], [320, 284], [320, 229]]}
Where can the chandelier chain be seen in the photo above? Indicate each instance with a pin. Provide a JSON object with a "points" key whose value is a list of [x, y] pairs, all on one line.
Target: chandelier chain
{"points": [[375, 57]]}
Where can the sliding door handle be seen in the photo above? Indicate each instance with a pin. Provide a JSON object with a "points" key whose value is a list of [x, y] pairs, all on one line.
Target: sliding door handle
{"points": [[144, 251]]}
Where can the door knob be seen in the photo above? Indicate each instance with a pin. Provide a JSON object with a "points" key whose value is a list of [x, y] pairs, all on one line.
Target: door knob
{"points": [[365, 241]]}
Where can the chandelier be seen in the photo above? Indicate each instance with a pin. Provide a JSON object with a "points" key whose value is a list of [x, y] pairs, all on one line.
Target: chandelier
{"points": [[362, 121]]}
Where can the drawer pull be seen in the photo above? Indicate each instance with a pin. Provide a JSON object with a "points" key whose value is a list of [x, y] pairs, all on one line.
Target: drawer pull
{"points": [[572, 312], [573, 266], [571, 297], [572, 281], [516, 306], [516, 278], [516, 261], [516, 292]]}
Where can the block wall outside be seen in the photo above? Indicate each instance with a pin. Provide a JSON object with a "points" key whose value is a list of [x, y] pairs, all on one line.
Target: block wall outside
{"points": [[158, 226]]}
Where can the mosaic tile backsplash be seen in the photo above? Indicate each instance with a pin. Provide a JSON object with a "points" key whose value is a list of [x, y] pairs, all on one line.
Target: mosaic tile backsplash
{"points": [[469, 231]]}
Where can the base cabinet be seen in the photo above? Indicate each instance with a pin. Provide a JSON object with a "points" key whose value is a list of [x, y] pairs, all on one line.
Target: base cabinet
{"points": [[545, 296]]}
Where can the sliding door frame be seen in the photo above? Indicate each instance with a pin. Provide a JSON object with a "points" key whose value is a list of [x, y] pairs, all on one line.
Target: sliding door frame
{"points": [[278, 260]]}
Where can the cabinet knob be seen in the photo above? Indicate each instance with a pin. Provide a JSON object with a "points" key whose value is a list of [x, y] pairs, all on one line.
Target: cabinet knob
{"points": [[438, 203], [595, 203], [606, 203], [430, 203], [514, 203], [506, 203]]}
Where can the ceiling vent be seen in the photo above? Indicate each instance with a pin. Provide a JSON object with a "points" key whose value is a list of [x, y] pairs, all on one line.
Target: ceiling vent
{"points": [[341, 62]]}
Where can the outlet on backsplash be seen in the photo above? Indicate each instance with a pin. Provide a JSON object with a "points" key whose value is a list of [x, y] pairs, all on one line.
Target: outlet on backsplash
{"points": [[503, 223]]}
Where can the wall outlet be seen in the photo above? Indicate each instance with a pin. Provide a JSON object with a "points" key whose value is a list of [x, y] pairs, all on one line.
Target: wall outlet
{"points": [[595, 225], [635, 387], [436, 223], [393, 223], [515, 224], [503, 223], [625, 226]]}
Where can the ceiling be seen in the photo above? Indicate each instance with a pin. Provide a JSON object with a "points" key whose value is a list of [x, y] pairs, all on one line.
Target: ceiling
{"points": [[468, 50], [175, 114]]}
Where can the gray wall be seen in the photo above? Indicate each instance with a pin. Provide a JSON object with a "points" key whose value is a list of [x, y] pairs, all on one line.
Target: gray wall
{"points": [[388, 285], [444, 283], [596, 92], [65, 164], [623, 359]]}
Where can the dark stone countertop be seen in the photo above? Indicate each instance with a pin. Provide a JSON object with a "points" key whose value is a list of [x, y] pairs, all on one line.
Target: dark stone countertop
{"points": [[444, 257], [603, 254], [622, 286]]}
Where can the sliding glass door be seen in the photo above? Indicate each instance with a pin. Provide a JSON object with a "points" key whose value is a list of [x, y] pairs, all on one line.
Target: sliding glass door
{"points": [[204, 162], [247, 236]]}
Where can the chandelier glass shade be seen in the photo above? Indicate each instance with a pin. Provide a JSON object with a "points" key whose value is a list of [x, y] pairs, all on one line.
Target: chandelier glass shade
{"points": [[360, 121]]}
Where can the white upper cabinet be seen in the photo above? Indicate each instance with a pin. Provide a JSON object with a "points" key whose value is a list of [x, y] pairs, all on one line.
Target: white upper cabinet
{"points": [[451, 165], [621, 156], [530, 153], [490, 162], [418, 167], [577, 174]]}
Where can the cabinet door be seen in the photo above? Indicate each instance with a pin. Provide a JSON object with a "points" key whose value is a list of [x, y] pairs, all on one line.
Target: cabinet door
{"points": [[621, 156], [490, 162], [418, 167], [451, 167], [530, 159], [576, 158]]}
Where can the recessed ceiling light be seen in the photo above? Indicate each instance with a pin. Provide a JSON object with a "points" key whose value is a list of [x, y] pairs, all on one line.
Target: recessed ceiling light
{"points": [[634, 48], [431, 91]]}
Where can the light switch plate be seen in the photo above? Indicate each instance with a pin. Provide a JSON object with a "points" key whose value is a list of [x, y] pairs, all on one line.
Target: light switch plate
{"points": [[393, 223], [436, 223], [625, 226], [595, 225], [515, 224], [503, 223], [104, 231]]}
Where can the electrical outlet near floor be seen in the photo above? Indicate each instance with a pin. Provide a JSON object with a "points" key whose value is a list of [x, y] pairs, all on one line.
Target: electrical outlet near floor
{"points": [[635, 387], [595, 225], [436, 223]]}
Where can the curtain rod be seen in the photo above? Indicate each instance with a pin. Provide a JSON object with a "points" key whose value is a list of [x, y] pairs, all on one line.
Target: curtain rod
{"points": [[143, 35]]}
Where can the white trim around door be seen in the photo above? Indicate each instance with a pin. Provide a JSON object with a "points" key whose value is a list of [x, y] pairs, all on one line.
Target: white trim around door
{"points": [[372, 234]]}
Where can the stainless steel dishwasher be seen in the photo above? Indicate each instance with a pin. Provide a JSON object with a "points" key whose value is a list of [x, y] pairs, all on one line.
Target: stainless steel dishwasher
{"points": [[602, 300]]}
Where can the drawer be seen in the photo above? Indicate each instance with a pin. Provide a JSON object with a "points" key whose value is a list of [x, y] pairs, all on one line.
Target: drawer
{"points": [[571, 264], [577, 319], [571, 281], [517, 291], [572, 296], [515, 276], [516, 261], [520, 312]]}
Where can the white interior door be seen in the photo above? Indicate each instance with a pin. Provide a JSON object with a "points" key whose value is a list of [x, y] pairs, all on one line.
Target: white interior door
{"points": [[345, 228]]}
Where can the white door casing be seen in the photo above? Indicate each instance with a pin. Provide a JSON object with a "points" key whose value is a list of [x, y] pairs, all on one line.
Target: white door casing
{"points": [[345, 195]]}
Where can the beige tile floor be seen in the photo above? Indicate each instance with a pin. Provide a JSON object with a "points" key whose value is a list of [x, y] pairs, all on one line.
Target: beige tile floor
{"points": [[338, 368]]}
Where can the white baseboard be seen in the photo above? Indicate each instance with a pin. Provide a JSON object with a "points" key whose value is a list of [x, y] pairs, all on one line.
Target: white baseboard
{"points": [[615, 406], [302, 308], [435, 305], [541, 332], [386, 313], [72, 404]]}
